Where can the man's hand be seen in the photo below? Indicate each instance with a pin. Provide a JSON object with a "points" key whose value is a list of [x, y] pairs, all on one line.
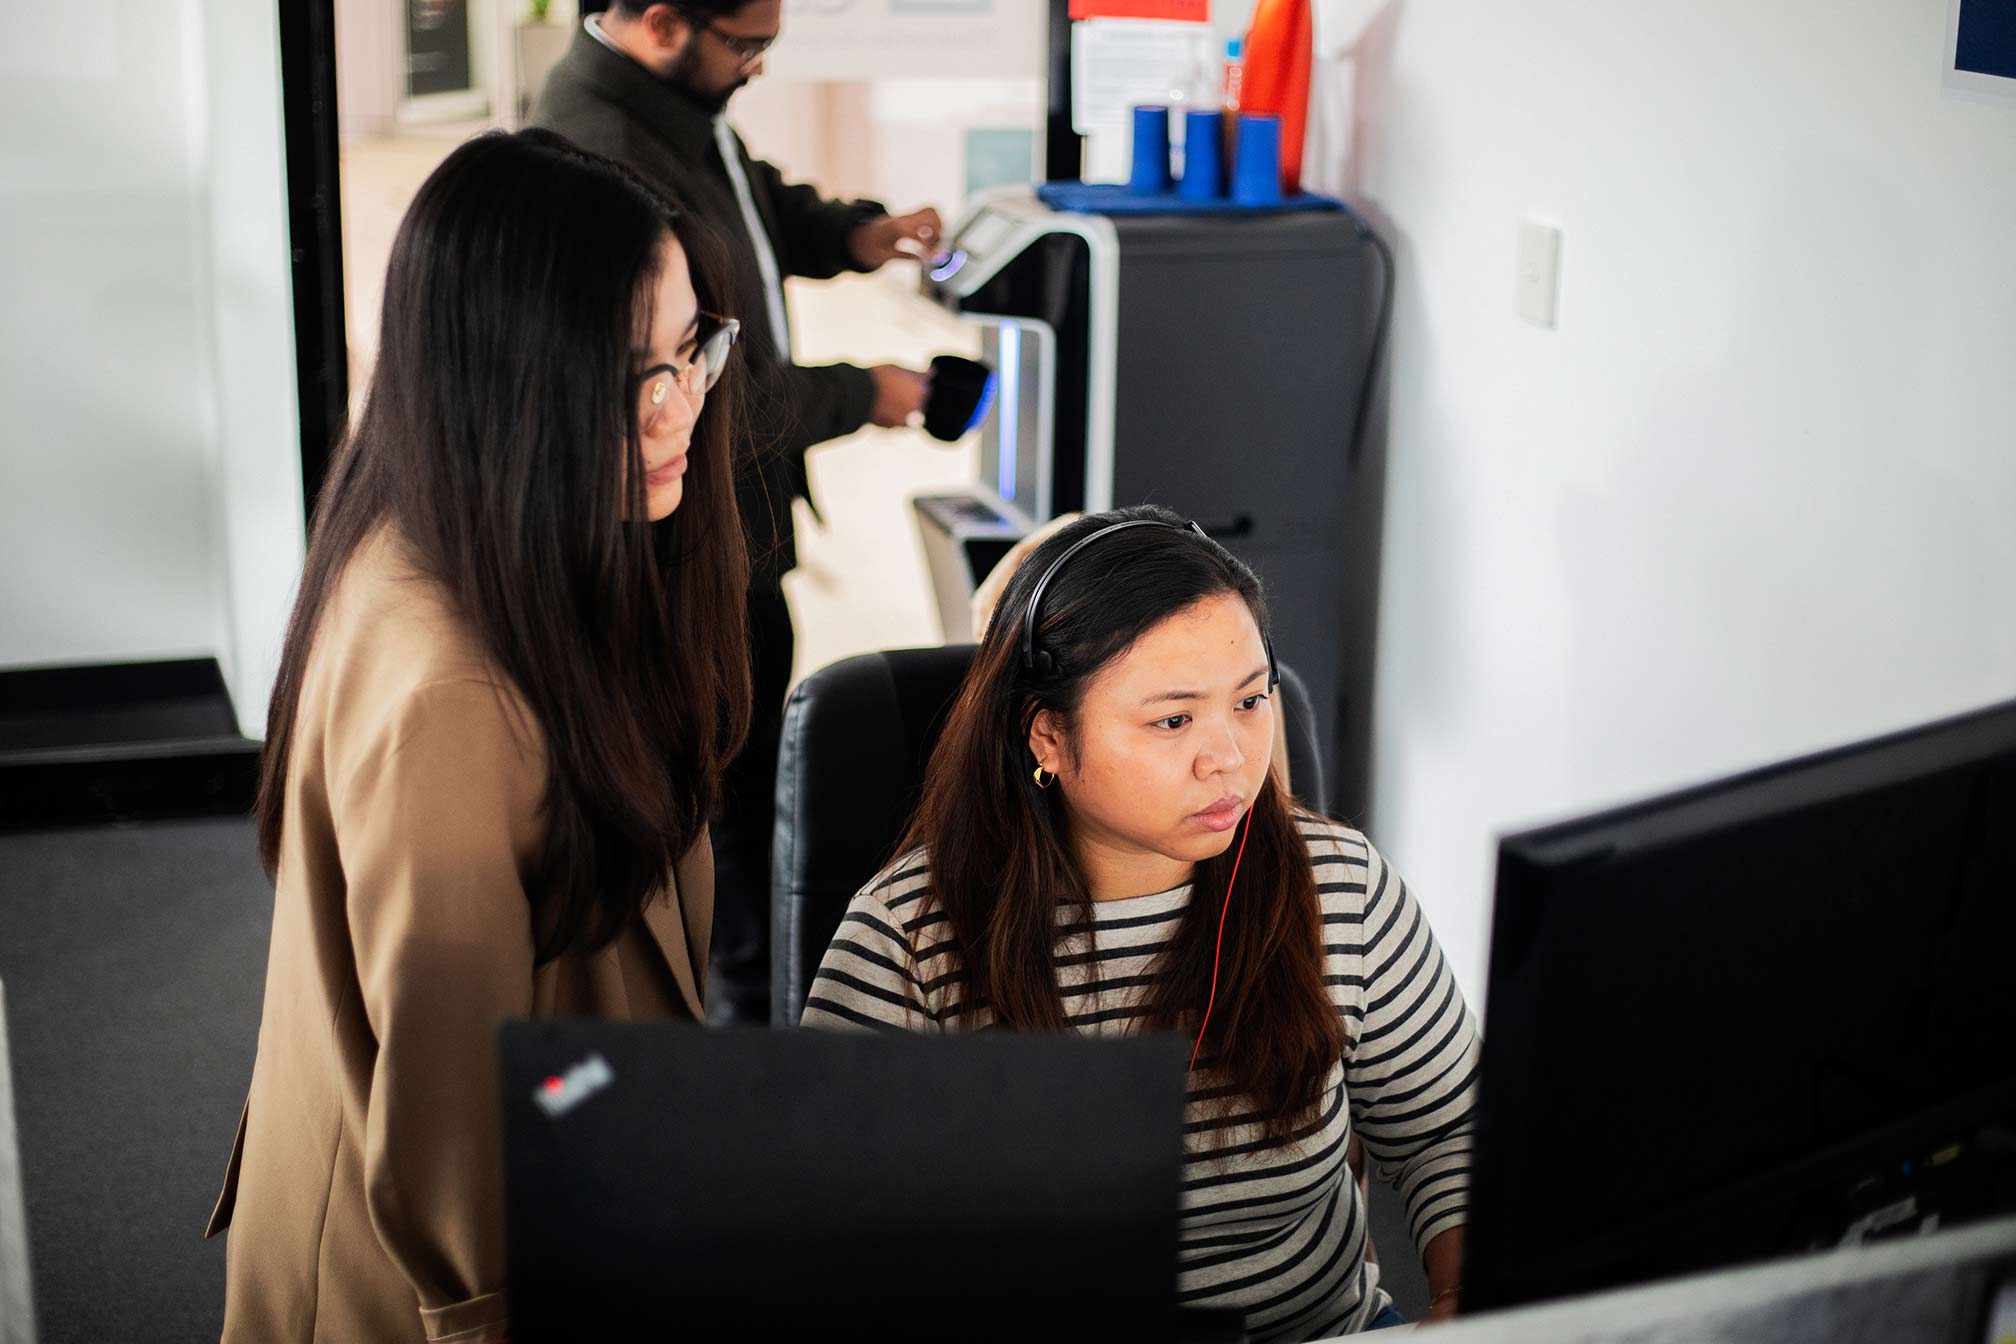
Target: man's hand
{"points": [[888, 237], [899, 394]]}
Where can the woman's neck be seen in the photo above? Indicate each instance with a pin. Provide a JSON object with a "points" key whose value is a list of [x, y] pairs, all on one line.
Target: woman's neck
{"points": [[1116, 871]]}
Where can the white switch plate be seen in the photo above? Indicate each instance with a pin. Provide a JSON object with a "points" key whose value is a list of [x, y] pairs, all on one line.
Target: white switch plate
{"points": [[1539, 271]]}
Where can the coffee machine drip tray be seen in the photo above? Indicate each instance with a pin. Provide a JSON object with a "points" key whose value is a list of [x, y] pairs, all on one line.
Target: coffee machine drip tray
{"points": [[965, 535]]}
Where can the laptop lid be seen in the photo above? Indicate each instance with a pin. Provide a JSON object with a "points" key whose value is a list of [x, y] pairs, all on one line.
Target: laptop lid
{"points": [[670, 1178]]}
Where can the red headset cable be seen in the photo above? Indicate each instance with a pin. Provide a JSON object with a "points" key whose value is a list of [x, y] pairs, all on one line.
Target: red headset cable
{"points": [[1219, 951]]}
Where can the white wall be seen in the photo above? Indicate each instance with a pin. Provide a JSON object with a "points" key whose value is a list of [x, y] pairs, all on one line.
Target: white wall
{"points": [[900, 141], [150, 480], [258, 482], [108, 516], [1756, 495], [370, 66]]}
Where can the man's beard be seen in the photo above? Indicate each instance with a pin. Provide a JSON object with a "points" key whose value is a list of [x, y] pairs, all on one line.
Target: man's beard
{"points": [[681, 77]]}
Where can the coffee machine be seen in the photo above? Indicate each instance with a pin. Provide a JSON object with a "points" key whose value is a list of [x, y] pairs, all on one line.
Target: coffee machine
{"points": [[1212, 363]]}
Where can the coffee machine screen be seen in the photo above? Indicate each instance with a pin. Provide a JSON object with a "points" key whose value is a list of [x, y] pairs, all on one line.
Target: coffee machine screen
{"points": [[1015, 440]]}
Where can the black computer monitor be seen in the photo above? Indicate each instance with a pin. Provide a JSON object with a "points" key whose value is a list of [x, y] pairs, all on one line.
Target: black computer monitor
{"points": [[1767, 1015]]}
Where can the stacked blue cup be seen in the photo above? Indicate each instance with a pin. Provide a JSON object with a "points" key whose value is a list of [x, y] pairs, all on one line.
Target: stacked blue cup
{"points": [[1151, 150], [1203, 169], [1256, 169]]}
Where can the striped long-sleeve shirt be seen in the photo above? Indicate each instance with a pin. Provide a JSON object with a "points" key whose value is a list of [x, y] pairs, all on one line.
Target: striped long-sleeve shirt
{"points": [[1274, 1230]]}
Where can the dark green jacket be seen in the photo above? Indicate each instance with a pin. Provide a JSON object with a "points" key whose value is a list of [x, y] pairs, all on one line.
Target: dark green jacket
{"points": [[606, 102]]}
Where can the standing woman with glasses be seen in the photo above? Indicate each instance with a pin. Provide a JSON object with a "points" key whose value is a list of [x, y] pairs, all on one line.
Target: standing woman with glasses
{"points": [[650, 85], [514, 674]]}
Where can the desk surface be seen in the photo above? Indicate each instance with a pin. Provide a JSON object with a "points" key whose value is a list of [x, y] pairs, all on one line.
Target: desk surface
{"points": [[1902, 1292]]}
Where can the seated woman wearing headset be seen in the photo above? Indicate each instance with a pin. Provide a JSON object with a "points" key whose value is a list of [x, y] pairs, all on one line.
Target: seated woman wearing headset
{"points": [[1102, 847]]}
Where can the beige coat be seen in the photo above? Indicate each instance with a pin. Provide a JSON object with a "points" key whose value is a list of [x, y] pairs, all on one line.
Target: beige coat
{"points": [[364, 1190]]}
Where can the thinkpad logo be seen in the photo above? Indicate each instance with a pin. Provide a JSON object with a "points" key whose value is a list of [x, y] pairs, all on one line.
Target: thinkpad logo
{"points": [[562, 1092]]}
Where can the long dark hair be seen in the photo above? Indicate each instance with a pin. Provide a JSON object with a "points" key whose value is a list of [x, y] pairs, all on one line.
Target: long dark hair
{"points": [[1001, 860], [500, 439]]}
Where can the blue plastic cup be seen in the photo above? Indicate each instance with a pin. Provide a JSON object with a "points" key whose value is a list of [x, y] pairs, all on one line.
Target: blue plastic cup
{"points": [[1151, 150], [1203, 171], [1256, 168]]}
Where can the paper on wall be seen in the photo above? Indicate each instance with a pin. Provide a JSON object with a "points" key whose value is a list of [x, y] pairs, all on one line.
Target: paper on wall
{"points": [[1338, 24], [1329, 145], [1119, 63]]}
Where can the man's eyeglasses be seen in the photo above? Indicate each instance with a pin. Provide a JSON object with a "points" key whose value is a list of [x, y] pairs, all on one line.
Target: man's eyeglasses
{"points": [[748, 50], [696, 379]]}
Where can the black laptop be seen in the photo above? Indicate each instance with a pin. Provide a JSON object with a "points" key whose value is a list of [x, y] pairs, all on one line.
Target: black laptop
{"points": [[668, 1181]]}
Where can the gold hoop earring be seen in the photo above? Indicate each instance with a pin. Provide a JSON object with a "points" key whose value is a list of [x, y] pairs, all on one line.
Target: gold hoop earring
{"points": [[1041, 782]]}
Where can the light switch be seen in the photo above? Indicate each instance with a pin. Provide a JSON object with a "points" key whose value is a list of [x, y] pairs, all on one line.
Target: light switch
{"points": [[1539, 271]]}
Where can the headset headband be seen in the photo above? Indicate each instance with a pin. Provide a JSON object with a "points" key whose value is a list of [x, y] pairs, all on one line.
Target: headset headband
{"points": [[1040, 661]]}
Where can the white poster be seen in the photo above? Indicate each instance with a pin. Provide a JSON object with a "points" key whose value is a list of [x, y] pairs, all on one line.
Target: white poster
{"points": [[907, 39]]}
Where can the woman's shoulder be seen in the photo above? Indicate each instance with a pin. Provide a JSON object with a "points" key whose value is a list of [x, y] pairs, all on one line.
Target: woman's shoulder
{"points": [[393, 659], [1334, 842], [1345, 865], [900, 888], [386, 604]]}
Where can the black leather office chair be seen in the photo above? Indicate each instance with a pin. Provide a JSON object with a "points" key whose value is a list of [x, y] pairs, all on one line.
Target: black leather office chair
{"points": [[857, 735]]}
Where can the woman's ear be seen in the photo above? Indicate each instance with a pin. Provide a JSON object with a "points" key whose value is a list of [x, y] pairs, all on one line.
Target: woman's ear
{"points": [[1046, 741]]}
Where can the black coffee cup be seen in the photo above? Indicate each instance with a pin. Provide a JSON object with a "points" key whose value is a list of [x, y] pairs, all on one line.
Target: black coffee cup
{"points": [[962, 392]]}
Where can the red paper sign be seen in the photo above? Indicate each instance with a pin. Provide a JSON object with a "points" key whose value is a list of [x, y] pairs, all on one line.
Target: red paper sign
{"points": [[1192, 11]]}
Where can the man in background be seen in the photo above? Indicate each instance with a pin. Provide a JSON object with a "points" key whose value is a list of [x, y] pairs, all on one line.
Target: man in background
{"points": [[646, 85]]}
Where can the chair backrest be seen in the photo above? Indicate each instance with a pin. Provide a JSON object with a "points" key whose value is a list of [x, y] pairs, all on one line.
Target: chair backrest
{"points": [[857, 736]]}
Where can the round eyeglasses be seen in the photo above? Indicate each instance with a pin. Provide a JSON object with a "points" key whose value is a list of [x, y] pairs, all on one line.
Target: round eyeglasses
{"points": [[696, 379], [747, 50]]}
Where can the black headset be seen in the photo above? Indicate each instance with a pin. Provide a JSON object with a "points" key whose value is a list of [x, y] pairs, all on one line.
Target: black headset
{"points": [[1041, 663]]}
